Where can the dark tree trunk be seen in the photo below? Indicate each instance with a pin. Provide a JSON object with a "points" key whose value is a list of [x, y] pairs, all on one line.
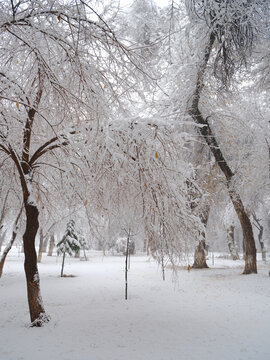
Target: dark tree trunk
{"points": [[231, 243], [25, 166], [63, 264], [248, 237], [209, 137], [37, 312]]}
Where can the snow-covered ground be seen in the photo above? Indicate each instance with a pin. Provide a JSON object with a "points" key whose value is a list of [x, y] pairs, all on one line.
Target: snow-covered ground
{"points": [[204, 314]]}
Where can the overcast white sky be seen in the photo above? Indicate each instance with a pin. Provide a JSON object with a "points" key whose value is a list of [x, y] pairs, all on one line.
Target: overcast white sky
{"points": [[159, 2]]}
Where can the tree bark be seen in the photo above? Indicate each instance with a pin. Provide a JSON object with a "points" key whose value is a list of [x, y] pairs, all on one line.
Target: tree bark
{"points": [[199, 256], [200, 250], [231, 243], [248, 237], [209, 137], [37, 312]]}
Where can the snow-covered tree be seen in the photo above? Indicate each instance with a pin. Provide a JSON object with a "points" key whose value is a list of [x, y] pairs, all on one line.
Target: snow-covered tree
{"points": [[213, 42], [62, 73], [70, 243]]}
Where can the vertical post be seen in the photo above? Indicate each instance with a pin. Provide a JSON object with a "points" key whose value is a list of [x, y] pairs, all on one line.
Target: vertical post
{"points": [[162, 265], [162, 253], [63, 261], [40, 245], [126, 265]]}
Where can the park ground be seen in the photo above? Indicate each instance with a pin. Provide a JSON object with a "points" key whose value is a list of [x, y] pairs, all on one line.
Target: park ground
{"points": [[210, 314]]}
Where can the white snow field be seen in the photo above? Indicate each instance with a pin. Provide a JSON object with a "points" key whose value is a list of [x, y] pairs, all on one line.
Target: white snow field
{"points": [[207, 314]]}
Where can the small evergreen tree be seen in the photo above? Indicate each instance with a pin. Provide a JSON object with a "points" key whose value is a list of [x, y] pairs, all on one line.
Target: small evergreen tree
{"points": [[69, 244]]}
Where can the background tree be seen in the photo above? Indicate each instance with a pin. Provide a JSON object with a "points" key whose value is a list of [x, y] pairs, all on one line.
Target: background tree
{"points": [[69, 244], [219, 42]]}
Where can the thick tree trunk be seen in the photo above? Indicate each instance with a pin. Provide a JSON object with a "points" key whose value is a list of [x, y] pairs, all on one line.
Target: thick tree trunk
{"points": [[40, 245], [9, 245], [231, 243], [200, 250], [51, 245], [248, 237], [209, 137], [199, 256], [37, 312]]}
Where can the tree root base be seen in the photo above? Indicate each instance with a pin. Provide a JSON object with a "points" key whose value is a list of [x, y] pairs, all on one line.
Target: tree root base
{"points": [[41, 320], [205, 266], [249, 271]]}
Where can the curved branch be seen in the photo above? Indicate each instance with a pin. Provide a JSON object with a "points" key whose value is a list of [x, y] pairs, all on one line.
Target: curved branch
{"points": [[4, 149], [37, 154]]}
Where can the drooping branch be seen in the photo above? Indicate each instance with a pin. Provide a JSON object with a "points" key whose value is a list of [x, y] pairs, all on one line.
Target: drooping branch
{"points": [[234, 25], [4, 149], [41, 150]]}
